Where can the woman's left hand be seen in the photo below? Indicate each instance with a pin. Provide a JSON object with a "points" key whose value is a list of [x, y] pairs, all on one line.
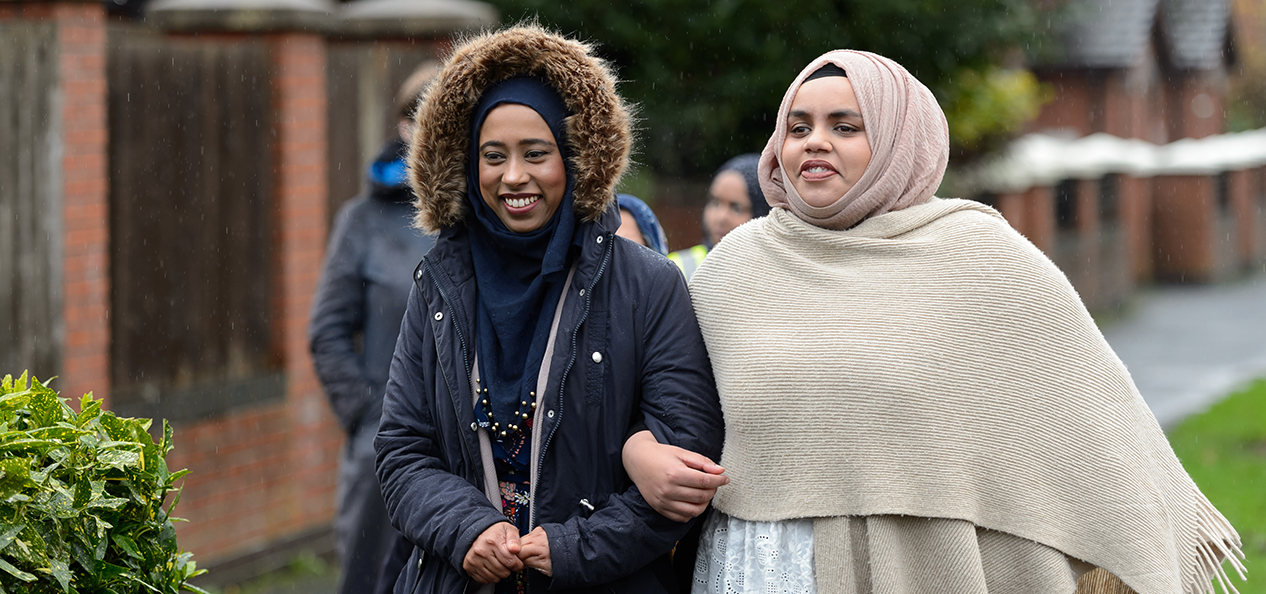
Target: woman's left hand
{"points": [[535, 551]]}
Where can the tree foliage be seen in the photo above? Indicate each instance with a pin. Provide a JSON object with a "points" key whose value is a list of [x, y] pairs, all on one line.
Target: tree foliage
{"points": [[81, 499], [709, 76]]}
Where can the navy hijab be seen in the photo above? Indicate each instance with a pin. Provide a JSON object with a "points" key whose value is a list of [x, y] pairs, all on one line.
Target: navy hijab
{"points": [[519, 276]]}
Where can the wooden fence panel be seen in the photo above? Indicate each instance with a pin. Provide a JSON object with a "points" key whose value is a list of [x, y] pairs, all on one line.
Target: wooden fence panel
{"points": [[30, 201], [191, 222]]}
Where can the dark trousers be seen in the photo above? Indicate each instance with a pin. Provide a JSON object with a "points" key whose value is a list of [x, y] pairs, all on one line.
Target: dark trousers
{"points": [[363, 533]]}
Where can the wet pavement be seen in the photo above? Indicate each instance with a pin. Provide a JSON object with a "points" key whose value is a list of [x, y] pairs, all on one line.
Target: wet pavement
{"points": [[1188, 346]]}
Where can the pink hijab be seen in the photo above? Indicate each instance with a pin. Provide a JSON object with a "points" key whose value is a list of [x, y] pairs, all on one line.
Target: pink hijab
{"points": [[908, 136]]}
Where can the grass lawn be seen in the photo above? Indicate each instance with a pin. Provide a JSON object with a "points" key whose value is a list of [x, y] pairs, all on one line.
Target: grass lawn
{"points": [[1224, 449]]}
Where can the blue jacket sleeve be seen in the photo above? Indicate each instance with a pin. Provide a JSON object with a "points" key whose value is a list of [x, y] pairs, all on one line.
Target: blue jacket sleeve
{"points": [[679, 401], [338, 314], [434, 509]]}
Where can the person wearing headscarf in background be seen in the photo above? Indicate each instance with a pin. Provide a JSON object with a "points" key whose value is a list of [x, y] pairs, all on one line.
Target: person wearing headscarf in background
{"points": [[639, 224], [734, 198], [534, 337], [355, 318], [924, 406]]}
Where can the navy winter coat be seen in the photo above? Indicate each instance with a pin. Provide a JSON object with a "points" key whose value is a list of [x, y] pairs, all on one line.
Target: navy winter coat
{"points": [[628, 346]]}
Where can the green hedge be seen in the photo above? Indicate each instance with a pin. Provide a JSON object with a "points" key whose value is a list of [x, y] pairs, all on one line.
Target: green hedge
{"points": [[81, 498]]}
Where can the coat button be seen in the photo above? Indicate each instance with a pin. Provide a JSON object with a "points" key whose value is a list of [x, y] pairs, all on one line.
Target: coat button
{"points": [[597, 357], [419, 277], [474, 426], [599, 239], [582, 292], [439, 315], [550, 414]]}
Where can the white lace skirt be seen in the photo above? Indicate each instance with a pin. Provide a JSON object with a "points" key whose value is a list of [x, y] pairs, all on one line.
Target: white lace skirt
{"points": [[884, 554], [737, 556]]}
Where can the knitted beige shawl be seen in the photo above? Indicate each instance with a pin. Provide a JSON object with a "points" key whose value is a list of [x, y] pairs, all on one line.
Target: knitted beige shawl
{"points": [[932, 362]]}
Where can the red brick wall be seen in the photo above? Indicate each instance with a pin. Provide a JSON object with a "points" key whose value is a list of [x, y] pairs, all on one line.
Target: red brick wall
{"points": [[1011, 206], [1259, 215], [1195, 104], [300, 100], [1184, 222], [1039, 217], [1245, 213], [266, 474], [1135, 205], [81, 36], [1072, 104]]}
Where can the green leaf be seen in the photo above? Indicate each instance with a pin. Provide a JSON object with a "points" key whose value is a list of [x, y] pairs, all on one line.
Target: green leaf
{"points": [[83, 493], [15, 475], [128, 545], [118, 458], [175, 476], [60, 568], [15, 572], [108, 503], [46, 408], [8, 532], [143, 583], [83, 555], [57, 502], [89, 409], [108, 572]]}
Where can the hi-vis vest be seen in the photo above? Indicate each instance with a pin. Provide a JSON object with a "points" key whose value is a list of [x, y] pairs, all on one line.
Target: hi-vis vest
{"points": [[688, 259]]}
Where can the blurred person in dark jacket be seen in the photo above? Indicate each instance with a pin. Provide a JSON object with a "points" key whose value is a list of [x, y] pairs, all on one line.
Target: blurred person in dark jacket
{"points": [[355, 320], [535, 338], [734, 198]]}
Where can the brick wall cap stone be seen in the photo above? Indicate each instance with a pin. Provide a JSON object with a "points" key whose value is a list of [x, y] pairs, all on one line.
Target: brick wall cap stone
{"points": [[413, 18], [247, 16]]}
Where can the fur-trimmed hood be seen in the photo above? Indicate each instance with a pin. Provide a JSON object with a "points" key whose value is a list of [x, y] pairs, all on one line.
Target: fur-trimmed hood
{"points": [[599, 131]]}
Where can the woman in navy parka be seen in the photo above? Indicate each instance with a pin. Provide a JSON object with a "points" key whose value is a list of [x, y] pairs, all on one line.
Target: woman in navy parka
{"points": [[534, 338]]}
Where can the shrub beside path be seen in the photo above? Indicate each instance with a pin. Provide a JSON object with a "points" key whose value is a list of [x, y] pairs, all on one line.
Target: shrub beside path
{"points": [[1189, 346]]}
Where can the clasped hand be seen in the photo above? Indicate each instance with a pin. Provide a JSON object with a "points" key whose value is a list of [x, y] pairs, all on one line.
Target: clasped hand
{"points": [[499, 552]]}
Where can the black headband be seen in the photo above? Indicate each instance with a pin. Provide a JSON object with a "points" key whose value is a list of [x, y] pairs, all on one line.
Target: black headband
{"points": [[825, 71]]}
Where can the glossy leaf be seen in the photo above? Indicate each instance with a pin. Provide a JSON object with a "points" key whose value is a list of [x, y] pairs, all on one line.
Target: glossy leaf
{"points": [[81, 499]]}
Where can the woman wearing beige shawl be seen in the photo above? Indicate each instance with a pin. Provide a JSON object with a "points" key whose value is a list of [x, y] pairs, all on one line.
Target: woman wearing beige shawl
{"points": [[920, 402]]}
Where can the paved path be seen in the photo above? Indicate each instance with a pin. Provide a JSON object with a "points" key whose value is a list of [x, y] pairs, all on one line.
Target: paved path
{"points": [[1188, 346]]}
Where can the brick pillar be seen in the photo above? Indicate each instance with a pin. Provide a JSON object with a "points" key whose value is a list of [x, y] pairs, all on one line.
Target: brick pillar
{"points": [[1136, 220], [1259, 215], [1184, 228], [81, 40], [1011, 206], [299, 72], [79, 128], [1245, 213], [1039, 218]]}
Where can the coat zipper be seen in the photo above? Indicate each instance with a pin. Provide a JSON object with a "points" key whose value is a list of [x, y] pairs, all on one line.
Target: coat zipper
{"points": [[571, 360], [460, 338]]}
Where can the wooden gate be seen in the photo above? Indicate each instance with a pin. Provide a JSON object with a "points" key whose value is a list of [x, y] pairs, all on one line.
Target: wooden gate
{"points": [[30, 202], [192, 218]]}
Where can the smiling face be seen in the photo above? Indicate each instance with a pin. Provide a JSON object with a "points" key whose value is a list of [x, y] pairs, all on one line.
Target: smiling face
{"points": [[522, 176], [826, 150]]}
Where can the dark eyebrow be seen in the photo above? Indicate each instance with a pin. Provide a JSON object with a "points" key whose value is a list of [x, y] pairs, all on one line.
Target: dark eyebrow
{"points": [[524, 142], [835, 115]]}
